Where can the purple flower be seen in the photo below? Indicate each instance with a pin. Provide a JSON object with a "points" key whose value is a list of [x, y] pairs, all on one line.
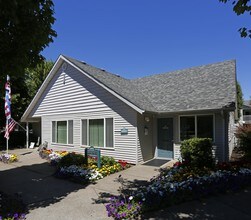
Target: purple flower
{"points": [[22, 216], [129, 206]]}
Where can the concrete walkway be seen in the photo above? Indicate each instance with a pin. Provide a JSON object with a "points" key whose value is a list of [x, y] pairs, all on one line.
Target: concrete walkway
{"points": [[50, 198]]}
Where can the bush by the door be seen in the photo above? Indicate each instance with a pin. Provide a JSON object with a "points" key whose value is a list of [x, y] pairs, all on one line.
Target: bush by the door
{"points": [[197, 152]]}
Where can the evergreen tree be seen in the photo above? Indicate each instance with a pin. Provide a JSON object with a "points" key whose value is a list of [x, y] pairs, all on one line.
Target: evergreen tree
{"points": [[239, 98]]}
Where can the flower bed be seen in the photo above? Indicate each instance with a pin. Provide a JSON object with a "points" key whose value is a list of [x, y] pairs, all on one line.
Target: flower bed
{"points": [[11, 207], [78, 174], [122, 208], [8, 158], [16, 216], [73, 166], [52, 156], [178, 184]]}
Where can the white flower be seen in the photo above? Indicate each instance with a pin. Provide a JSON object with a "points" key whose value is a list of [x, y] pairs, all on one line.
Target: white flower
{"points": [[131, 198]]}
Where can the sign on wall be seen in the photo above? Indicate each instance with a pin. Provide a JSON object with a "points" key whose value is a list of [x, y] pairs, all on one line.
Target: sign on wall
{"points": [[124, 131]]}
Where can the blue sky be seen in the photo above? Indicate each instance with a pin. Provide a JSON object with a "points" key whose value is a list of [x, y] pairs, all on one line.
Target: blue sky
{"points": [[135, 38]]}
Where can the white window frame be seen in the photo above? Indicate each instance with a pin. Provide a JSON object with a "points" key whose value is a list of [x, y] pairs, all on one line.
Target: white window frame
{"points": [[67, 131], [195, 121], [87, 124]]}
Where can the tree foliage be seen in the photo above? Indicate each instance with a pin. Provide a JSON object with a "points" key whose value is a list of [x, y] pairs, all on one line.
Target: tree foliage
{"points": [[25, 30], [239, 98], [34, 77], [241, 7], [243, 132], [24, 88]]}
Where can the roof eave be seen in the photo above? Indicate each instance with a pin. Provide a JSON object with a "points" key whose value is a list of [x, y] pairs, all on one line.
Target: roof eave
{"points": [[191, 111]]}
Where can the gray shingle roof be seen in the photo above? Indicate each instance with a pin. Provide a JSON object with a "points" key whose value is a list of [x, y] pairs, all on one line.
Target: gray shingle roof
{"points": [[247, 102], [205, 87], [246, 105]]}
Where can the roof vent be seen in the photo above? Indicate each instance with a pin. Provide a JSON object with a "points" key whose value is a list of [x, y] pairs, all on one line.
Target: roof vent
{"points": [[83, 62], [103, 70], [117, 75]]}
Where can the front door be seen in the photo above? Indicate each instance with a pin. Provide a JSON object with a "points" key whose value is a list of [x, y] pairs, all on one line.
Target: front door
{"points": [[165, 138]]}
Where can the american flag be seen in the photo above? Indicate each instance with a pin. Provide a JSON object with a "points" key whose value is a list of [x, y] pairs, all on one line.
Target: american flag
{"points": [[7, 99], [10, 123]]}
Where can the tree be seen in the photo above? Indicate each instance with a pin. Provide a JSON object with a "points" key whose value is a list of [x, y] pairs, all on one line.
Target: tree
{"points": [[24, 89], [239, 98], [25, 30], [241, 7], [34, 77]]}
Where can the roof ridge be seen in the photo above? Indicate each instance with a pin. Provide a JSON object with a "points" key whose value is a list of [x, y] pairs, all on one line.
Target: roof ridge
{"points": [[94, 67], [185, 69]]}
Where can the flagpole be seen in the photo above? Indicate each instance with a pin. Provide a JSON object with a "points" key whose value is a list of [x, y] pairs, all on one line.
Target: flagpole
{"points": [[7, 109], [7, 139], [19, 124]]}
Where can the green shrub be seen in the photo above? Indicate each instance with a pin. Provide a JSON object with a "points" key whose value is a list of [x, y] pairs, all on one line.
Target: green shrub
{"points": [[105, 160], [72, 159], [197, 152], [243, 132]]}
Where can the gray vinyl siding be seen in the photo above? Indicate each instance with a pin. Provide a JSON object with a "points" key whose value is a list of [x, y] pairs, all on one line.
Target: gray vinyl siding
{"points": [[73, 96], [145, 141], [71, 92], [219, 142]]}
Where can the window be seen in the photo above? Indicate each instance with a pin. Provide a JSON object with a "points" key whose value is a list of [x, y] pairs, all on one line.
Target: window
{"points": [[97, 132], [201, 126], [109, 132], [187, 127], [70, 132], [84, 132], [62, 132], [205, 126]]}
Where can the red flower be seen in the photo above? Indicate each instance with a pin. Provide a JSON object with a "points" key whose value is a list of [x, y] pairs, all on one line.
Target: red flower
{"points": [[177, 164], [123, 163]]}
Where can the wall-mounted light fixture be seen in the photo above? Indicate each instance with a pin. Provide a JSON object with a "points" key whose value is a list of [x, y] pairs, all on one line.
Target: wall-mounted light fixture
{"points": [[147, 119]]}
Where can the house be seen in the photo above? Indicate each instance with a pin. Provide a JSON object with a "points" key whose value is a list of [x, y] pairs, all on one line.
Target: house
{"points": [[79, 105], [246, 112]]}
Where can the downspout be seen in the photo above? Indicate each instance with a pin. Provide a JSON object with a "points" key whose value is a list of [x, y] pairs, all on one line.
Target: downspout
{"points": [[137, 160], [236, 104], [227, 136], [27, 134], [223, 136]]}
